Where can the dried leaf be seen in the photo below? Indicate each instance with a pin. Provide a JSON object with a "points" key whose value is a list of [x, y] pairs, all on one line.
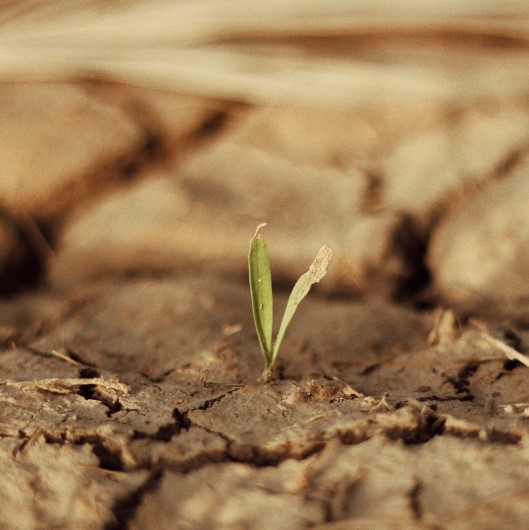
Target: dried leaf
{"points": [[315, 273]]}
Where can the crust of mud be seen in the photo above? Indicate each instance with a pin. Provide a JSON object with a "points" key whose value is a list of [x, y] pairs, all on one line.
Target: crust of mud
{"points": [[149, 415]]}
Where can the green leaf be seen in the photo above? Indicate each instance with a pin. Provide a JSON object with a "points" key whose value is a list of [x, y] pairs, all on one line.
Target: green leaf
{"points": [[315, 273], [261, 293]]}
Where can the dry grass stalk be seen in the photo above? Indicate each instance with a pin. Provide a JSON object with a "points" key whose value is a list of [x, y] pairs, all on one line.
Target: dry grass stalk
{"points": [[208, 48]]}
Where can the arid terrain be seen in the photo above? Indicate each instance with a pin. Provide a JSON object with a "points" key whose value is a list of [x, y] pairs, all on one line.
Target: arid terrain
{"points": [[141, 143]]}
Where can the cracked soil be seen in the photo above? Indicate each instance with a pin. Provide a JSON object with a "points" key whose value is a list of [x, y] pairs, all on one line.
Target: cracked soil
{"points": [[129, 366]]}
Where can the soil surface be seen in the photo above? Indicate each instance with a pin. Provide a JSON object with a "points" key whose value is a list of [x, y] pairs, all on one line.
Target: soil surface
{"points": [[129, 365], [135, 403]]}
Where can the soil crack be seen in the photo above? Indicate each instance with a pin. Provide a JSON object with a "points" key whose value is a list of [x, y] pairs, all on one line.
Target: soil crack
{"points": [[110, 458], [414, 499], [125, 508], [461, 383], [409, 244], [91, 392], [166, 432], [208, 403]]}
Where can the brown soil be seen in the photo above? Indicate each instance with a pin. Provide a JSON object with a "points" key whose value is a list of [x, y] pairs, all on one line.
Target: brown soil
{"points": [[136, 404], [129, 366]]}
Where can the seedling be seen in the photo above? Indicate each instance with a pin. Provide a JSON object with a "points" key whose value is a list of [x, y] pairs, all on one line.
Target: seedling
{"points": [[262, 297]]}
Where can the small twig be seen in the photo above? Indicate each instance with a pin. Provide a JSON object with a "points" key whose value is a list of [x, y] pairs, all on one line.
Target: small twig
{"points": [[509, 352], [64, 357]]}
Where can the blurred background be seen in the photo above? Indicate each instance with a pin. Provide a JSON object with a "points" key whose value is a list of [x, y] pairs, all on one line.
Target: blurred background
{"points": [[152, 137]]}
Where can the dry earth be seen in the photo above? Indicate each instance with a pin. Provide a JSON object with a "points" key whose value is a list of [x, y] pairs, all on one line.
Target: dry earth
{"points": [[129, 368]]}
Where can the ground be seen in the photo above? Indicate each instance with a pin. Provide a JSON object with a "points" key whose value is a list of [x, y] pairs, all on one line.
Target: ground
{"points": [[130, 392]]}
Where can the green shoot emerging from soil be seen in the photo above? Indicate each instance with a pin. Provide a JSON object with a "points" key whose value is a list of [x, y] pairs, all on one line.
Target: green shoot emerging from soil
{"points": [[262, 298]]}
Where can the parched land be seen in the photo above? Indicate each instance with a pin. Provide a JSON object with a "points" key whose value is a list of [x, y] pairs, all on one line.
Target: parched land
{"points": [[134, 167]]}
